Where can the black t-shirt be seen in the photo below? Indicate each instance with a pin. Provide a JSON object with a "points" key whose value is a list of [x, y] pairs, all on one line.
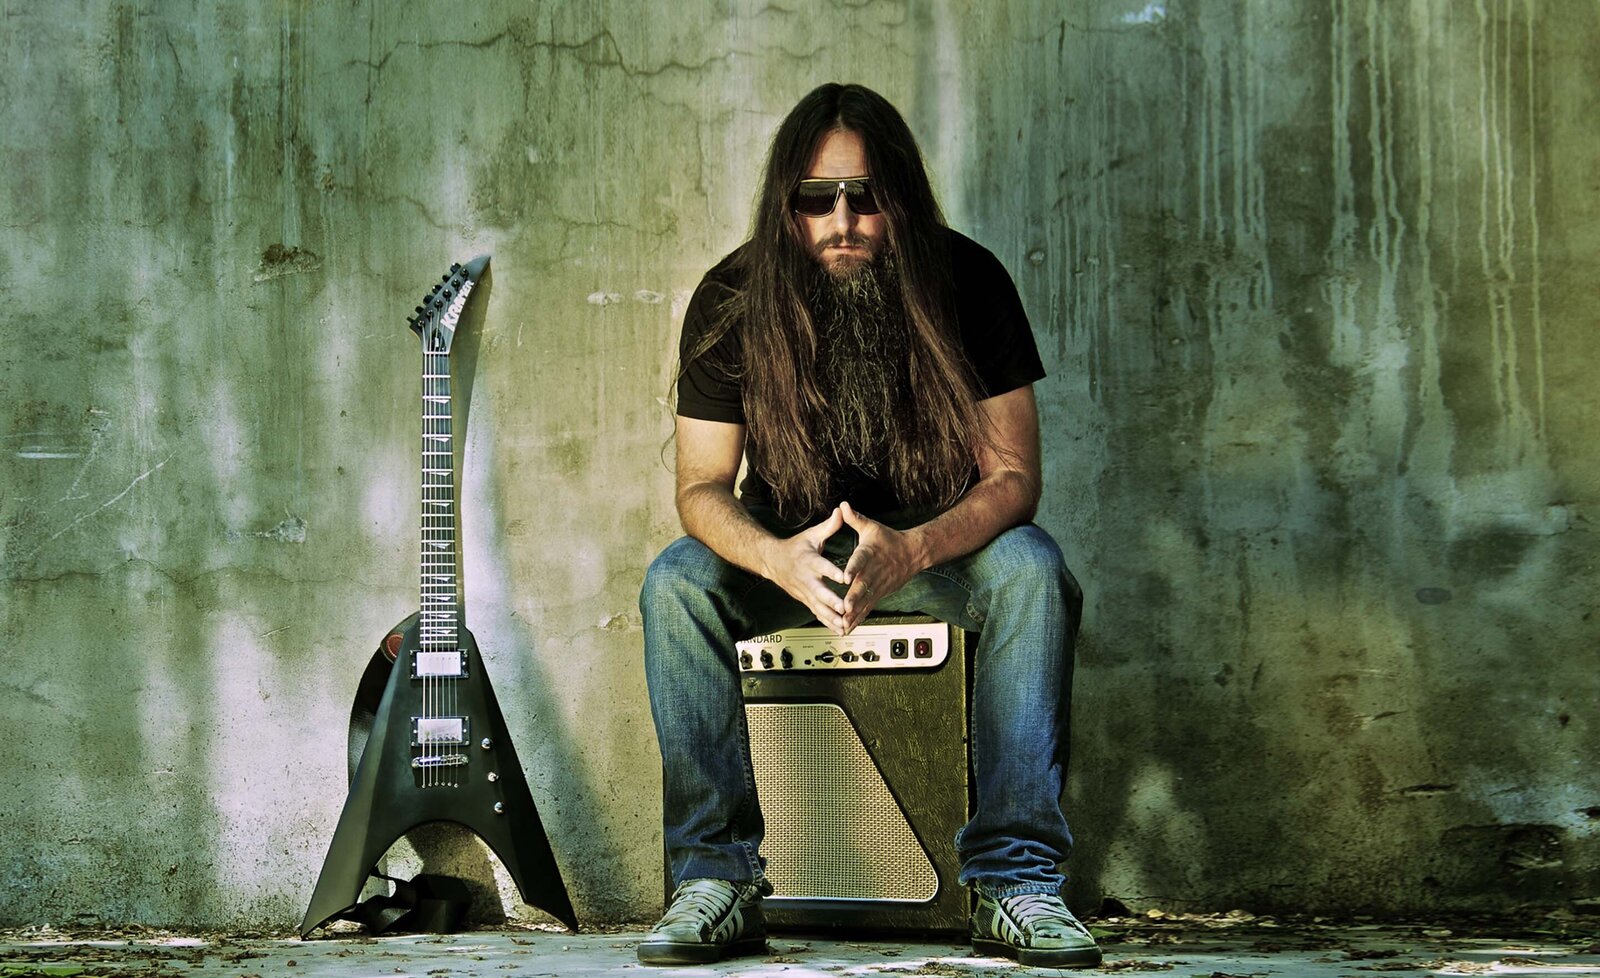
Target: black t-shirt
{"points": [[994, 335]]}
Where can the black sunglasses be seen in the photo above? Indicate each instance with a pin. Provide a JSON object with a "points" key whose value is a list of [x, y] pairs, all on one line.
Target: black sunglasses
{"points": [[818, 198]]}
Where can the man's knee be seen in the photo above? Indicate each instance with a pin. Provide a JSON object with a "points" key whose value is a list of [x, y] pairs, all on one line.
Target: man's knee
{"points": [[1025, 551], [685, 567], [1026, 556]]}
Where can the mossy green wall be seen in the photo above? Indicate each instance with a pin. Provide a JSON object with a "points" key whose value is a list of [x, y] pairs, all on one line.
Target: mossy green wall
{"points": [[1312, 283]]}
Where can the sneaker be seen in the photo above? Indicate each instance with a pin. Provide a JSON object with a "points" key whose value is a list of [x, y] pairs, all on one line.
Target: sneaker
{"points": [[1034, 929], [707, 920]]}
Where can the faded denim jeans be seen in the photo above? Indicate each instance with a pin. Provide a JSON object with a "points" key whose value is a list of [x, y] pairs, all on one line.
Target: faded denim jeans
{"points": [[1017, 592]]}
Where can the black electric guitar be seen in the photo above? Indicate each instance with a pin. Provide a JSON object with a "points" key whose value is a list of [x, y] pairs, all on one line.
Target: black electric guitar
{"points": [[437, 749]]}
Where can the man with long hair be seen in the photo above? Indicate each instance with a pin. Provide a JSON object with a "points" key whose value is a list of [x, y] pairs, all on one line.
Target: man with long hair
{"points": [[875, 370]]}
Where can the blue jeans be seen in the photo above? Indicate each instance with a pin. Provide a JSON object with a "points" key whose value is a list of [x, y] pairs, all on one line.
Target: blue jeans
{"points": [[1017, 592]]}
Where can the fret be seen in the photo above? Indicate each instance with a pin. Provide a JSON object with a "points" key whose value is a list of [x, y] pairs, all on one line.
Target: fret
{"points": [[438, 551]]}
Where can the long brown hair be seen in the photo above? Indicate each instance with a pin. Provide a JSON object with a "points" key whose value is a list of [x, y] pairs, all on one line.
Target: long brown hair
{"points": [[930, 459]]}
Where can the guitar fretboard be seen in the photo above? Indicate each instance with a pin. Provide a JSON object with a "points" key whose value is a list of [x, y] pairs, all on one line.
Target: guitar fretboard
{"points": [[439, 591]]}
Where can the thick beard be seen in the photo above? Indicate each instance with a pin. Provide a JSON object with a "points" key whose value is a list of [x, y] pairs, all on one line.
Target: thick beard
{"points": [[862, 360]]}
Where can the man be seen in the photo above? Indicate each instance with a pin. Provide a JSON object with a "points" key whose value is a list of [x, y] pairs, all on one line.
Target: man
{"points": [[874, 368]]}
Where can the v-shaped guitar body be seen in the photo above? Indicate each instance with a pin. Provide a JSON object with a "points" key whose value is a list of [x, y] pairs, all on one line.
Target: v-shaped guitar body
{"points": [[438, 750], [478, 784]]}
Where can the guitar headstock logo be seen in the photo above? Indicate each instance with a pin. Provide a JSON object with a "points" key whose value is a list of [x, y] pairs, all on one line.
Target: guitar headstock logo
{"points": [[452, 315], [439, 315]]}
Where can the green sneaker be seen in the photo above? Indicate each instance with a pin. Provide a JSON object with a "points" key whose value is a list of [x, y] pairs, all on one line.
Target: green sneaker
{"points": [[708, 920], [1034, 929]]}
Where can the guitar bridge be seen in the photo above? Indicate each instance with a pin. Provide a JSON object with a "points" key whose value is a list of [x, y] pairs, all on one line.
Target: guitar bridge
{"points": [[438, 761], [440, 732]]}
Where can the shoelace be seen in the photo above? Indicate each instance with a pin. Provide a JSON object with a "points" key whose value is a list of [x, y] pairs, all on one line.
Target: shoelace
{"points": [[1042, 915], [702, 902]]}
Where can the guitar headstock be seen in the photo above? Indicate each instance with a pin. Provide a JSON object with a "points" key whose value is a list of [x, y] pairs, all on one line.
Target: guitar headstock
{"points": [[436, 319]]}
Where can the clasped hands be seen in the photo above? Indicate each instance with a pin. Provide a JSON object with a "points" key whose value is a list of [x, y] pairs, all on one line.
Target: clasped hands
{"points": [[884, 559]]}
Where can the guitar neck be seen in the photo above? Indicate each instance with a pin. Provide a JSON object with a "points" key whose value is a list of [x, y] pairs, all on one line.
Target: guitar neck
{"points": [[440, 618]]}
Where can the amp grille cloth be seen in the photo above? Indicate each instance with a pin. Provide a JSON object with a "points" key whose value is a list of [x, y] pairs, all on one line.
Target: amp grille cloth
{"points": [[833, 829]]}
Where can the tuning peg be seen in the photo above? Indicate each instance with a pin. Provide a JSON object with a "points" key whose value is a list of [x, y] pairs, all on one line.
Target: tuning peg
{"points": [[446, 277], [448, 293], [420, 310]]}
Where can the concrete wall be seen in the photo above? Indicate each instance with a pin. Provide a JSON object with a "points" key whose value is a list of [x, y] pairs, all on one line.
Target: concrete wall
{"points": [[1312, 282]]}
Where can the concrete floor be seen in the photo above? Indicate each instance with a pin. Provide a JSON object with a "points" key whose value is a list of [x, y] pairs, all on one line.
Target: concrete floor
{"points": [[1223, 946]]}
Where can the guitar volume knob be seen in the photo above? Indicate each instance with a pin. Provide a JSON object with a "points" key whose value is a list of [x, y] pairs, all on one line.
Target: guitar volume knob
{"points": [[486, 743], [493, 777], [499, 808]]}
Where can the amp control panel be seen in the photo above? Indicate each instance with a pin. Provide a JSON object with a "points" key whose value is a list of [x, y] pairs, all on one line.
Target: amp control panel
{"points": [[920, 645]]}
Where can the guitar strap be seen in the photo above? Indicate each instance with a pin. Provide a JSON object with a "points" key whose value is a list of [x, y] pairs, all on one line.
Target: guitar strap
{"points": [[428, 903]]}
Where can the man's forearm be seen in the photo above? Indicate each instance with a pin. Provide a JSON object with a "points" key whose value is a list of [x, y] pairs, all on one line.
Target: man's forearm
{"points": [[995, 504], [712, 515]]}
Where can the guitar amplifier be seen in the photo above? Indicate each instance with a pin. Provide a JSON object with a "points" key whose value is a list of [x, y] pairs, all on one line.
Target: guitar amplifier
{"points": [[859, 746]]}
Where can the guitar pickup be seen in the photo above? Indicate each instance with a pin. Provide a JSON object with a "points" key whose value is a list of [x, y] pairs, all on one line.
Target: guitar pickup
{"points": [[440, 732], [449, 664]]}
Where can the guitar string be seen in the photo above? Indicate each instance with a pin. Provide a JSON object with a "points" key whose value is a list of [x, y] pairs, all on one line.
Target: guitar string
{"points": [[430, 607], [439, 678], [441, 606], [436, 605], [453, 683], [442, 689], [427, 606]]}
